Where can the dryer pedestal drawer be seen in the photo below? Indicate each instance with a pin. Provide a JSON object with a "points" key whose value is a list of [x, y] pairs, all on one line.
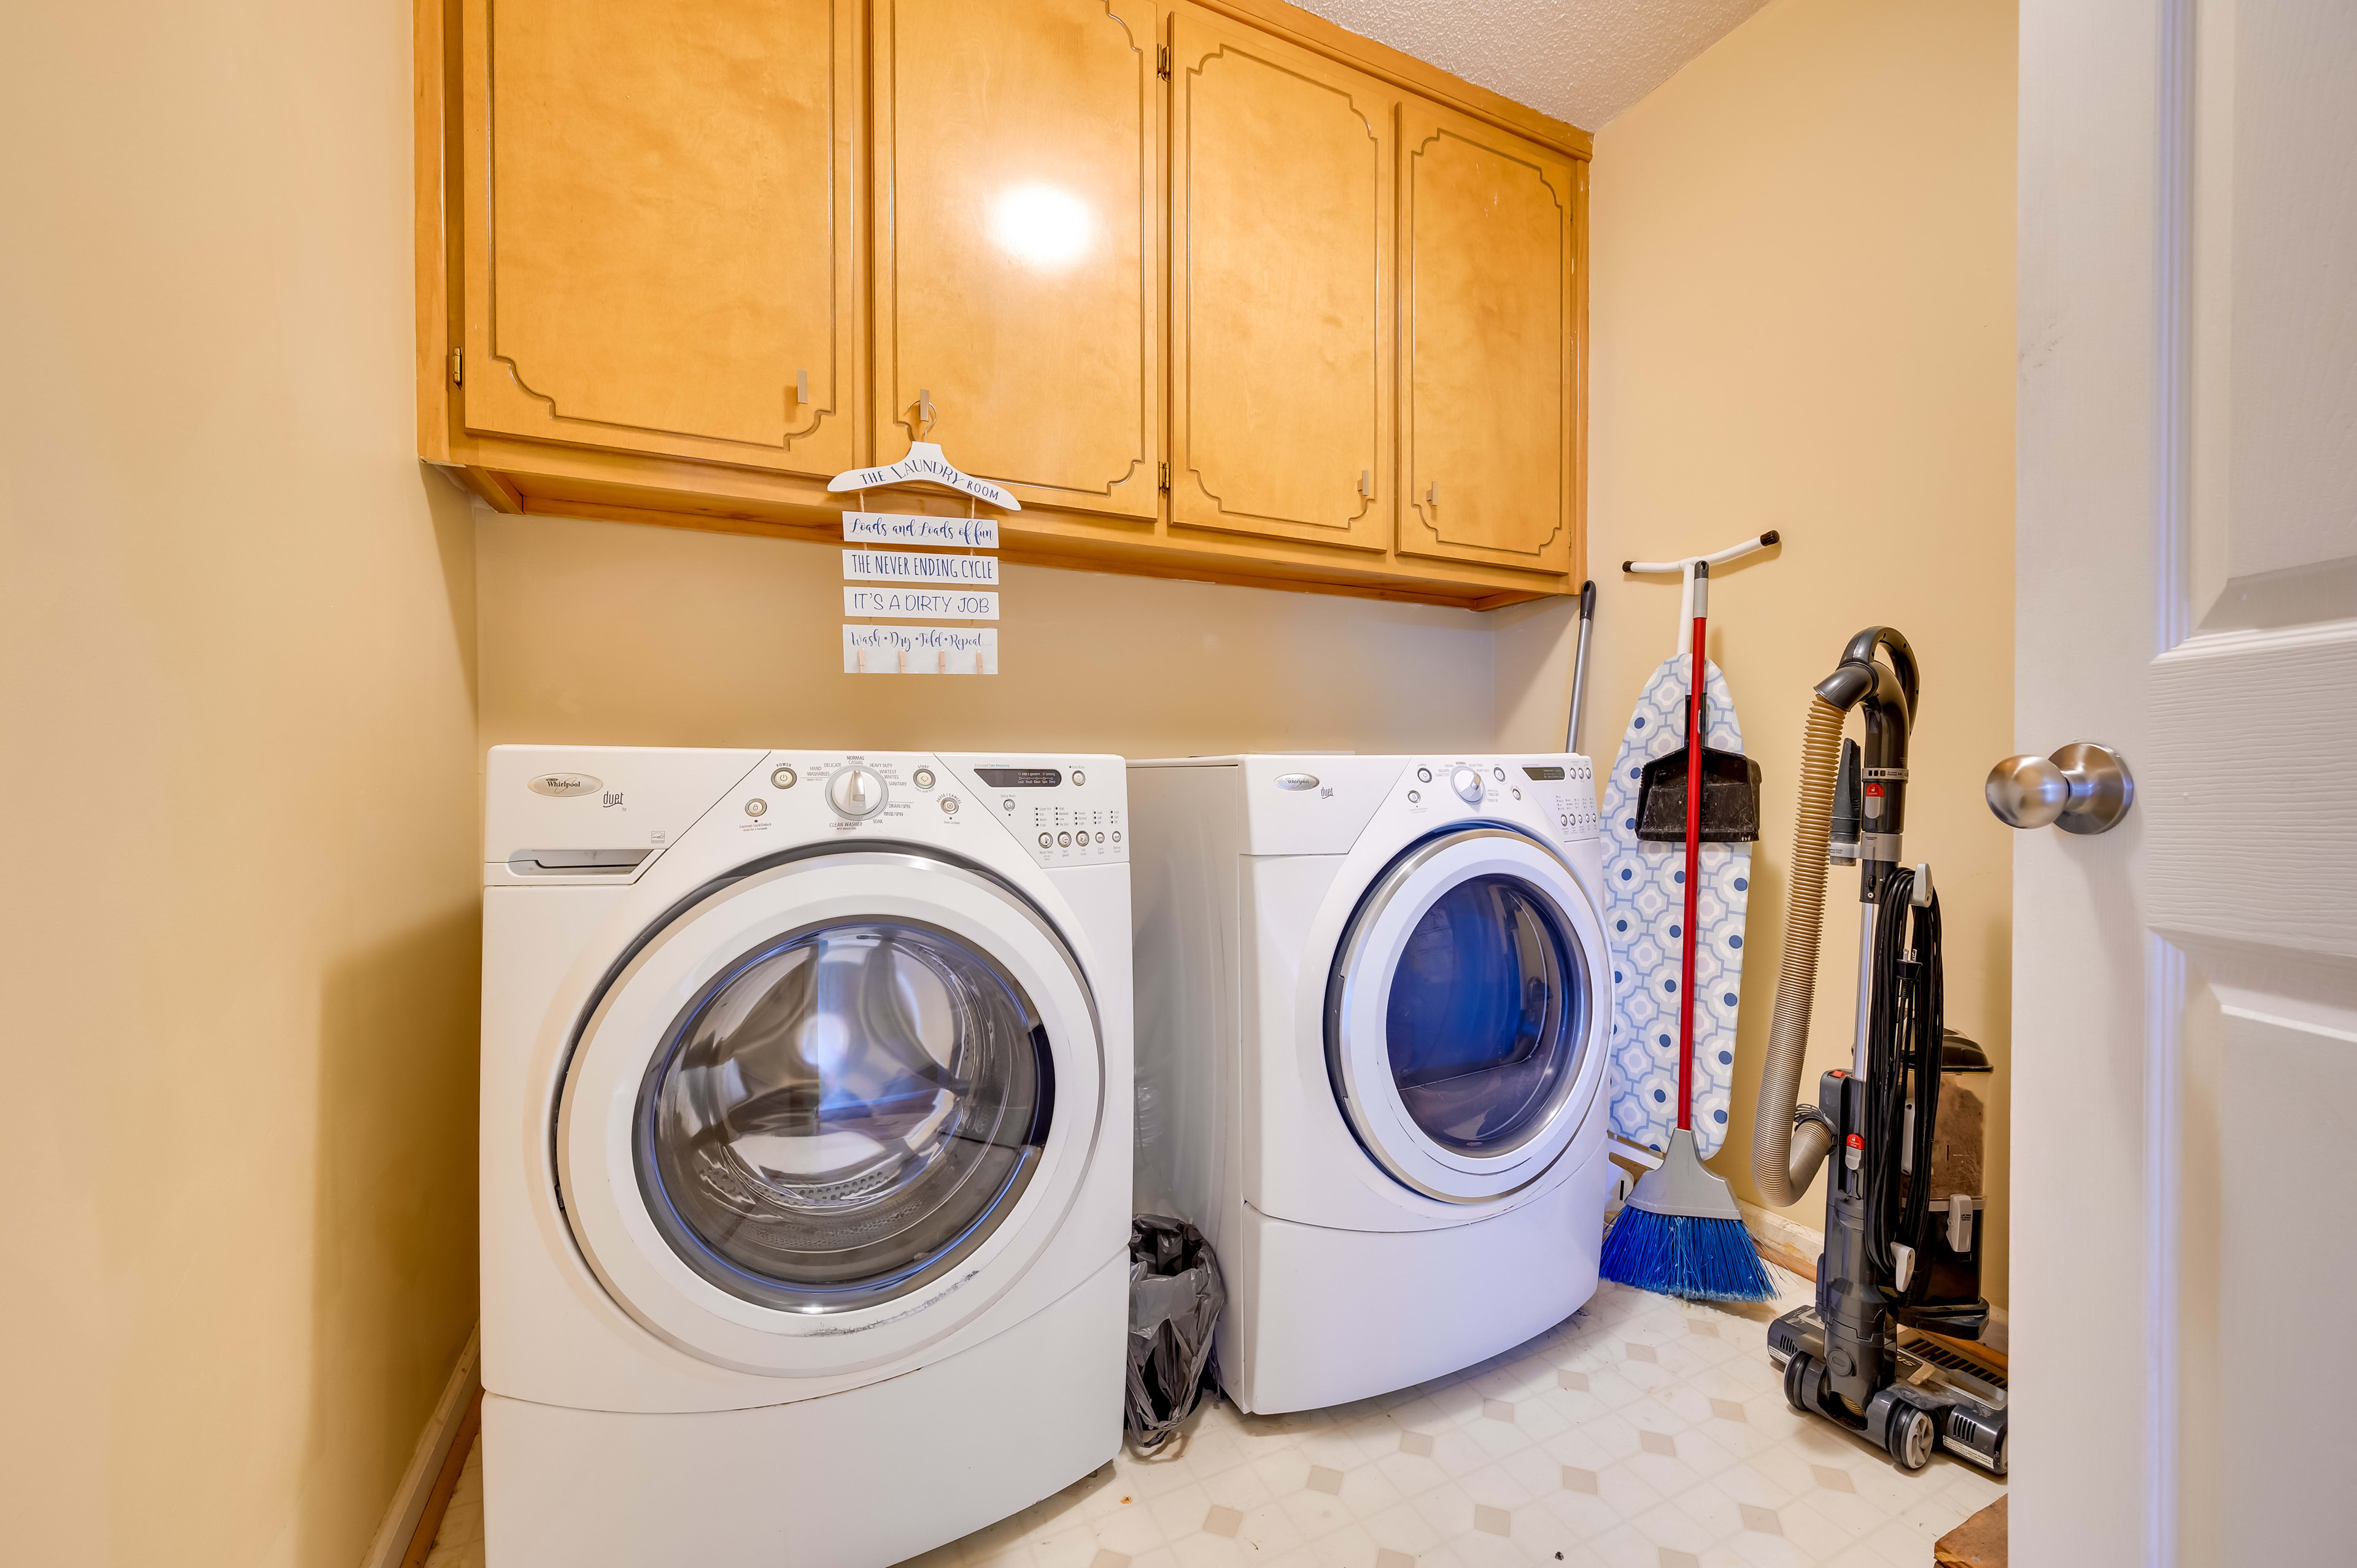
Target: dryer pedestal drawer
{"points": [[1322, 1317], [858, 1480]]}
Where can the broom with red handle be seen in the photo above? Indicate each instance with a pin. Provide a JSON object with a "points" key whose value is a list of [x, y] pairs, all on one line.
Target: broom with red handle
{"points": [[1681, 1232]]}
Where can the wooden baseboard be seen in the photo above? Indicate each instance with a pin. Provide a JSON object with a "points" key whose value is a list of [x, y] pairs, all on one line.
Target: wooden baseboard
{"points": [[1783, 1242], [1801, 1263], [446, 1486], [440, 1450]]}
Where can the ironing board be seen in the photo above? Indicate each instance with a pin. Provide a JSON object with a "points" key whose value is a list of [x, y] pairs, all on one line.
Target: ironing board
{"points": [[1645, 906]]}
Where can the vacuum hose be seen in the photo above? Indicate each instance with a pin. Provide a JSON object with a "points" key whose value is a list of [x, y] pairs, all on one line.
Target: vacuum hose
{"points": [[1784, 1159]]}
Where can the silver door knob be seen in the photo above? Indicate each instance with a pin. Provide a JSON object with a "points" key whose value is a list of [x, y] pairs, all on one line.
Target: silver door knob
{"points": [[2081, 788]]}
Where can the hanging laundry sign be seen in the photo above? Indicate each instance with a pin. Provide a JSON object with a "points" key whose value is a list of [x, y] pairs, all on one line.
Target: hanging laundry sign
{"points": [[921, 579], [915, 566], [919, 650], [920, 603], [910, 529], [925, 464]]}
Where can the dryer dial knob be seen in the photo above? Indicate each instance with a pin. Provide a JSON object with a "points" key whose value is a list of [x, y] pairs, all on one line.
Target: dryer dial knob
{"points": [[854, 792], [1467, 782]]}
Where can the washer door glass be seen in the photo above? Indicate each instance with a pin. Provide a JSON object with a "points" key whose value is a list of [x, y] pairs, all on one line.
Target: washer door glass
{"points": [[1487, 1014], [843, 1114]]}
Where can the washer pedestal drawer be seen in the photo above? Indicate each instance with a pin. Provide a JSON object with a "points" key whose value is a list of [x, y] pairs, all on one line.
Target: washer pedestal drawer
{"points": [[858, 1480], [1327, 1316]]}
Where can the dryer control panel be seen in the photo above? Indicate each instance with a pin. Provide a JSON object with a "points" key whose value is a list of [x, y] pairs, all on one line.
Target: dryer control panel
{"points": [[1065, 811], [1559, 789], [1567, 790]]}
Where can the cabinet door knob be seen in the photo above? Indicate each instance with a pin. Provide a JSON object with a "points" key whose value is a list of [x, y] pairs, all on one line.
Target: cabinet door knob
{"points": [[1367, 483], [801, 386], [2081, 788], [1432, 493], [924, 407]]}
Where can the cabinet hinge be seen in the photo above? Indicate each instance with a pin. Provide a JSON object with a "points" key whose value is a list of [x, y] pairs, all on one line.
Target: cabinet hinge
{"points": [[1162, 69], [458, 367], [1166, 477]]}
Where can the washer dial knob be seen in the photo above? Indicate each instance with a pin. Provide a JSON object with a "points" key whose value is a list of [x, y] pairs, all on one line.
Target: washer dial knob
{"points": [[1467, 782], [854, 792]]}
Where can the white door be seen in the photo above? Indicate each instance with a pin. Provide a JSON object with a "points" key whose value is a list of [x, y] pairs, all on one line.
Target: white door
{"points": [[2185, 986]]}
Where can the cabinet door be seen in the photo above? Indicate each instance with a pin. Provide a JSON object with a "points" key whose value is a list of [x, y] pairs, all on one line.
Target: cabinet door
{"points": [[1281, 211], [1016, 280], [1489, 386], [659, 227]]}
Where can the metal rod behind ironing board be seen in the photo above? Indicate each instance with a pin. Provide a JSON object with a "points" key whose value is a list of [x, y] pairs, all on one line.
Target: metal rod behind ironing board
{"points": [[1579, 666]]}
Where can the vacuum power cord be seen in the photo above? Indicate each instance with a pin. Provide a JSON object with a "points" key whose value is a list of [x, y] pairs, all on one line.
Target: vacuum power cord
{"points": [[1903, 1045]]}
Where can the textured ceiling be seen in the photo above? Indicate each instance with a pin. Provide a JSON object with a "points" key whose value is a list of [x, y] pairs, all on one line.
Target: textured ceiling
{"points": [[1580, 61]]}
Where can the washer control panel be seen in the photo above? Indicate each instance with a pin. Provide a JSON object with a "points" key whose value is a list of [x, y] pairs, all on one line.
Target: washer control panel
{"points": [[802, 793], [1065, 811]]}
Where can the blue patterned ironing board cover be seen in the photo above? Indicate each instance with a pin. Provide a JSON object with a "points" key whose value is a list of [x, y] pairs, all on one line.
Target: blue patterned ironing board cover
{"points": [[1644, 910]]}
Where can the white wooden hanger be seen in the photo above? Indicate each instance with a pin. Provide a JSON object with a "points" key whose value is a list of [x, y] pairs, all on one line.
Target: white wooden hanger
{"points": [[925, 464]]}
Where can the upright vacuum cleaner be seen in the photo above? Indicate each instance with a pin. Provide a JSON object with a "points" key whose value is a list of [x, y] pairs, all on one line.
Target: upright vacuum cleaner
{"points": [[1904, 1203]]}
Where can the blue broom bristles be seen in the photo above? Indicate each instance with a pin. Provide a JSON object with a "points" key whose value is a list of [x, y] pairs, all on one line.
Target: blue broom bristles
{"points": [[1678, 1254]]}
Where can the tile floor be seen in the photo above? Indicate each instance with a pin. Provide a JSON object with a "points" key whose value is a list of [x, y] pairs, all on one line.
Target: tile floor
{"points": [[1644, 1433]]}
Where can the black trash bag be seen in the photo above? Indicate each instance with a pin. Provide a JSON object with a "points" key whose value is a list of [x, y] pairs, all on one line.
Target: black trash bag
{"points": [[1175, 1297]]}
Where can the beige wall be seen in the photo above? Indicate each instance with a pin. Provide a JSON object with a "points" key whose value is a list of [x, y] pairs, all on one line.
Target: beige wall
{"points": [[236, 763], [1803, 261], [622, 634]]}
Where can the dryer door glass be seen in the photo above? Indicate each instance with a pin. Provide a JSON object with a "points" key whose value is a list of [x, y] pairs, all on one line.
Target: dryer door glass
{"points": [[1487, 1015], [844, 1114]]}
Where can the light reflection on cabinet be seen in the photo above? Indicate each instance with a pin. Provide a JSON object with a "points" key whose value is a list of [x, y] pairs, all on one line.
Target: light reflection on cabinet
{"points": [[1016, 270]]}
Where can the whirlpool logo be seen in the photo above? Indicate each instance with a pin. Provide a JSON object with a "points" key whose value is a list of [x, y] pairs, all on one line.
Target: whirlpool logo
{"points": [[563, 784]]}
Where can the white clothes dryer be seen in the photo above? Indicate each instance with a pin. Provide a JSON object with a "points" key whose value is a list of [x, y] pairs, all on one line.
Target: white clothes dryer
{"points": [[805, 1151], [1373, 1001]]}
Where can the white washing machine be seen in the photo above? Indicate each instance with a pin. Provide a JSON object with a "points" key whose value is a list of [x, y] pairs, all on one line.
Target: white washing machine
{"points": [[806, 1153], [1373, 1001]]}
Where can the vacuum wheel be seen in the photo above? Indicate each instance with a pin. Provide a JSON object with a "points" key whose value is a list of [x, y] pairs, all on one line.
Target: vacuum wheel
{"points": [[1796, 1382], [1913, 1433]]}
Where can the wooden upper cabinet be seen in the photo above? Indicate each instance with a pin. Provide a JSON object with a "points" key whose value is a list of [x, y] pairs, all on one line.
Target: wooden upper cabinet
{"points": [[1490, 227], [1016, 284], [1217, 288], [659, 227], [1281, 243]]}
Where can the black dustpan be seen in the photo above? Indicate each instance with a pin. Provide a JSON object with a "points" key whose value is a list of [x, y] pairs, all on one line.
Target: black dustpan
{"points": [[1730, 799]]}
